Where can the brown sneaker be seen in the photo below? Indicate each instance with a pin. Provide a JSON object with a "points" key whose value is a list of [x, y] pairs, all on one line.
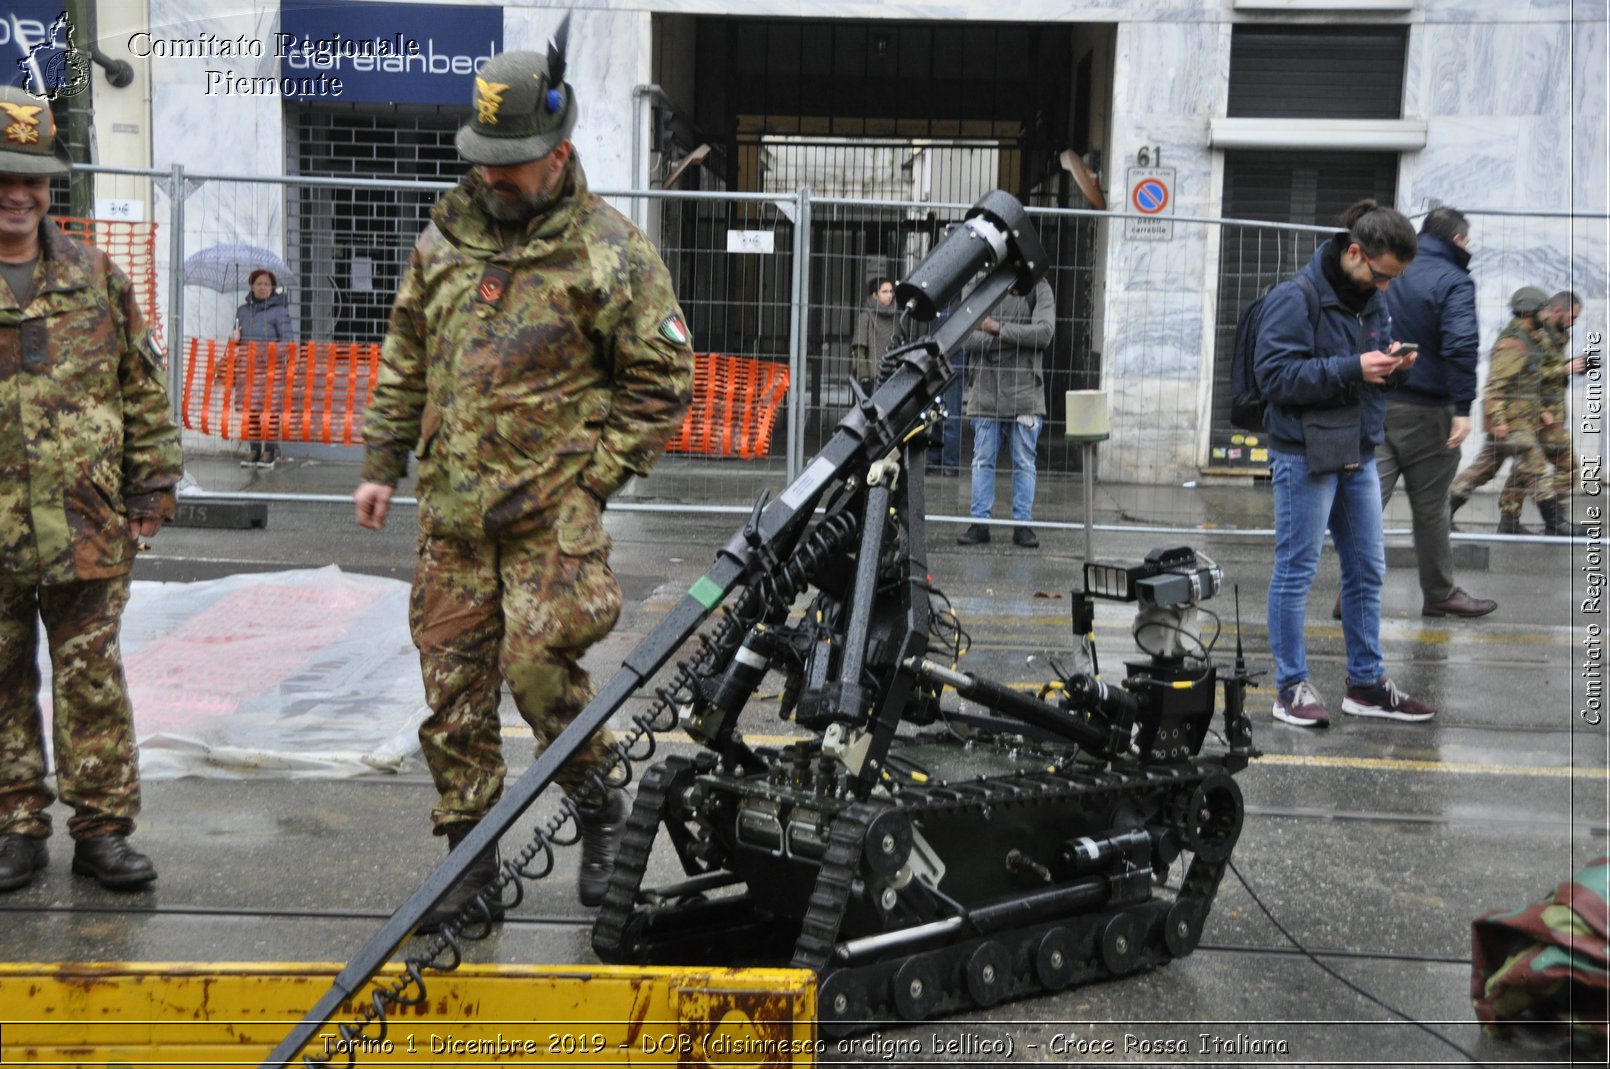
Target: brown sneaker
{"points": [[1384, 699], [1459, 604], [1300, 704]]}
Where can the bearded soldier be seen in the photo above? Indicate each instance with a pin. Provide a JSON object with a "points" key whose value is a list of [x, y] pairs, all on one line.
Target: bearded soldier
{"points": [[535, 360]]}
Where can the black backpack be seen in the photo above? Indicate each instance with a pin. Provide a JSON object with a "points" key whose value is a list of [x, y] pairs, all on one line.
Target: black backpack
{"points": [[1247, 403]]}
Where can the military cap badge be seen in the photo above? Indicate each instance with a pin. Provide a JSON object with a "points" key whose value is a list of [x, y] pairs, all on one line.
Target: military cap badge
{"points": [[24, 129], [488, 99]]}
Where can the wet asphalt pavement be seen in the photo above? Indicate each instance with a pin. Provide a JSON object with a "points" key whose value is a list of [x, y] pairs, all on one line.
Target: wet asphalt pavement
{"points": [[1372, 844]]}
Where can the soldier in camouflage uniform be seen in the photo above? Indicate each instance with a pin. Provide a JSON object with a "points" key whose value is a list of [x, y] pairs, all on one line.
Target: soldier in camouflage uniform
{"points": [[89, 458], [1511, 412], [536, 359], [1554, 430]]}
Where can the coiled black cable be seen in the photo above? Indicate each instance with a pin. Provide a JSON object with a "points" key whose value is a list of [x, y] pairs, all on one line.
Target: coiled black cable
{"points": [[771, 592]]}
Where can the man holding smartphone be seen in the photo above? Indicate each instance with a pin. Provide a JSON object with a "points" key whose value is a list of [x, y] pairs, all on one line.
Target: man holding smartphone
{"points": [[1428, 414]]}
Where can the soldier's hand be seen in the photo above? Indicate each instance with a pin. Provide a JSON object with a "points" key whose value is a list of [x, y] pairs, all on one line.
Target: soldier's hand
{"points": [[144, 526], [1577, 366], [373, 501], [1546, 418], [1458, 432], [1377, 366], [1501, 431]]}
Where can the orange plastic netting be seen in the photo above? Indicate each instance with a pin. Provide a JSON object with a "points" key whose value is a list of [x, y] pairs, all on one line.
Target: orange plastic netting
{"points": [[735, 405], [279, 391], [318, 392], [132, 246]]}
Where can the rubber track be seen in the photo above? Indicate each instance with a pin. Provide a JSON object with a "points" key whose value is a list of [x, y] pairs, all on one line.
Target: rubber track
{"points": [[637, 842]]}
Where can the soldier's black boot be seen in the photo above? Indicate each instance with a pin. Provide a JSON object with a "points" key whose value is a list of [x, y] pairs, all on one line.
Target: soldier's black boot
{"points": [[477, 878], [601, 828], [1511, 525], [21, 858], [1455, 503], [1557, 523], [112, 862]]}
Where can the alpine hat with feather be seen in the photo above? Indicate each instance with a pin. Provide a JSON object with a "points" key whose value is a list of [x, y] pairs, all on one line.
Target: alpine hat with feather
{"points": [[523, 107]]}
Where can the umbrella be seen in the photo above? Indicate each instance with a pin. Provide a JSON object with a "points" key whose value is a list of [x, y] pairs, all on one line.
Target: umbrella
{"points": [[226, 267]]}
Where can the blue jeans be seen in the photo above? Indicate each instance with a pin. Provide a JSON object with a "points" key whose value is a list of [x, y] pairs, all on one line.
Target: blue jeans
{"points": [[1349, 503], [987, 446]]}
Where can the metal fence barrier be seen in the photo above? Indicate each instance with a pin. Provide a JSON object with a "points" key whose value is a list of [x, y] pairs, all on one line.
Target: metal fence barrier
{"points": [[772, 286]]}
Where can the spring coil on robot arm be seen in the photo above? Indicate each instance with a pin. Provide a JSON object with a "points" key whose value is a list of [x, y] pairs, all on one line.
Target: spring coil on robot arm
{"points": [[771, 592], [830, 538]]}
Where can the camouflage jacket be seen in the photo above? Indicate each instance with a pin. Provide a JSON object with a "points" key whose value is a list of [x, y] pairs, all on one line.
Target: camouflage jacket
{"points": [[1514, 380], [577, 372], [1555, 374], [86, 441]]}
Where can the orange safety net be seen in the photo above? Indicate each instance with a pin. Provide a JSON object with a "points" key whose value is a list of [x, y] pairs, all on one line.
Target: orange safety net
{"points": [[132, 246], [734, 410], [254, 391], [318, 392]]}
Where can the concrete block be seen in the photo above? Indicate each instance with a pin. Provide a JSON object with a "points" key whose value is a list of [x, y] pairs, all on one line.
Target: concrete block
{"points": [[221, 513]]}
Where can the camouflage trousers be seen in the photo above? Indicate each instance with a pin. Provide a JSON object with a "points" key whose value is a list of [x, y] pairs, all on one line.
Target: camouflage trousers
{"points": [[521, 610], [92, 729], [1555, 442], [1528, 477]]}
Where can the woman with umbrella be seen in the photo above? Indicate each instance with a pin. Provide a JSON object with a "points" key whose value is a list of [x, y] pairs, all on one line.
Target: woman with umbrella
{"points": [[263, 317]]}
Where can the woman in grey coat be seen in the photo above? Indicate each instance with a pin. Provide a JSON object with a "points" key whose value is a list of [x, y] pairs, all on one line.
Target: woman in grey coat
{"points": [[874, 329], [1006, 401], [264, 317]]}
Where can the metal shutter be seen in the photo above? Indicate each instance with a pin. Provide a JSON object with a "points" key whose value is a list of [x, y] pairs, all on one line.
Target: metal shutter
{"points": [[1317, 72]]}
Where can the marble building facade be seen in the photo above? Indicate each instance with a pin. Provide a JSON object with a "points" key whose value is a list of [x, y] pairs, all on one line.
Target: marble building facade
{"points": [[1504, 109]]}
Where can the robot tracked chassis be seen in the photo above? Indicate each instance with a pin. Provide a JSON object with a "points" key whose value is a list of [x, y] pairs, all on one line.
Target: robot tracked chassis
{"points": [[971, 858]]}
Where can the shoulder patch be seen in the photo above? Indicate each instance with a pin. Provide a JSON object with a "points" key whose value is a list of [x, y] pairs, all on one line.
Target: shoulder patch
{"points": [[675, 331]]}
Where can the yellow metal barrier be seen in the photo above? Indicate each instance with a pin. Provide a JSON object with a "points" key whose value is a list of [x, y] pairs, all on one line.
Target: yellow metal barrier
{"points": [[192, 1014]]}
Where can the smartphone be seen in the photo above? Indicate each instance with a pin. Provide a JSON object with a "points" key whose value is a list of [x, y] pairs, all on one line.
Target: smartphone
{"points": [[1406, 349]]}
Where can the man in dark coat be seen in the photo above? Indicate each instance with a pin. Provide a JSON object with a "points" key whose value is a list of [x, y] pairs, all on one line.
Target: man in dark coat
{"points": [[1428, 414]]}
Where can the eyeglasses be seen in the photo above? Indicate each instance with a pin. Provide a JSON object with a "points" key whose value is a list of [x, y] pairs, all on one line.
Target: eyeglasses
{"points": [[1376, 277]]}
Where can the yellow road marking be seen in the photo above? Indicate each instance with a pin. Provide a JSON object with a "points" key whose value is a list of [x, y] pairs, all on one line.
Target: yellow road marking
{"points": [[1399, 764]]}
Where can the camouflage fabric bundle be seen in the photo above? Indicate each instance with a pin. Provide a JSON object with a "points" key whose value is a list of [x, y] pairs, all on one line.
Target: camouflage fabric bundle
{"points": [[1548, 962]]}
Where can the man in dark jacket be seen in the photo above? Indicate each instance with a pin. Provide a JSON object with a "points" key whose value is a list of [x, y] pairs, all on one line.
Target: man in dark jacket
{"points": [[1326, 415], [1428, 413]]}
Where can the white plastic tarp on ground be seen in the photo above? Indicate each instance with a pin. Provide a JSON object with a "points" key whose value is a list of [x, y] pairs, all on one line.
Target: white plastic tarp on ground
{"points": [[297, 673]]}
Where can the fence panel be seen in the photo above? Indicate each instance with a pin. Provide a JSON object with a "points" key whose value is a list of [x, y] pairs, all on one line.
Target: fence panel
{"points": [[772, 286]]}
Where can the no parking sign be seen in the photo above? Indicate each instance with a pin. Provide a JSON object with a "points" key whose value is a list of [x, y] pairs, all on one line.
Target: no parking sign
{"points": [[1151, 195]]}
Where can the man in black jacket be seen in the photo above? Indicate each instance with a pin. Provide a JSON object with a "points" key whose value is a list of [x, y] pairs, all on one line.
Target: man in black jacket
{"points": [[1428, 416]]}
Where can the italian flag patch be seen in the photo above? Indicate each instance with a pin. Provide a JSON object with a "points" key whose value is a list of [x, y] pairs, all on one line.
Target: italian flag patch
{"points": [[675, 331]]}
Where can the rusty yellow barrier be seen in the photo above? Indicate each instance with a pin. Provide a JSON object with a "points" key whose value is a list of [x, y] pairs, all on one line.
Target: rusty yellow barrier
{"points": [[185, 1013]]}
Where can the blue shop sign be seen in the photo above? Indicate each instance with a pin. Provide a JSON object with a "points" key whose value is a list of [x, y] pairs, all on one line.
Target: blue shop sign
{"points": [[389, 53]]}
